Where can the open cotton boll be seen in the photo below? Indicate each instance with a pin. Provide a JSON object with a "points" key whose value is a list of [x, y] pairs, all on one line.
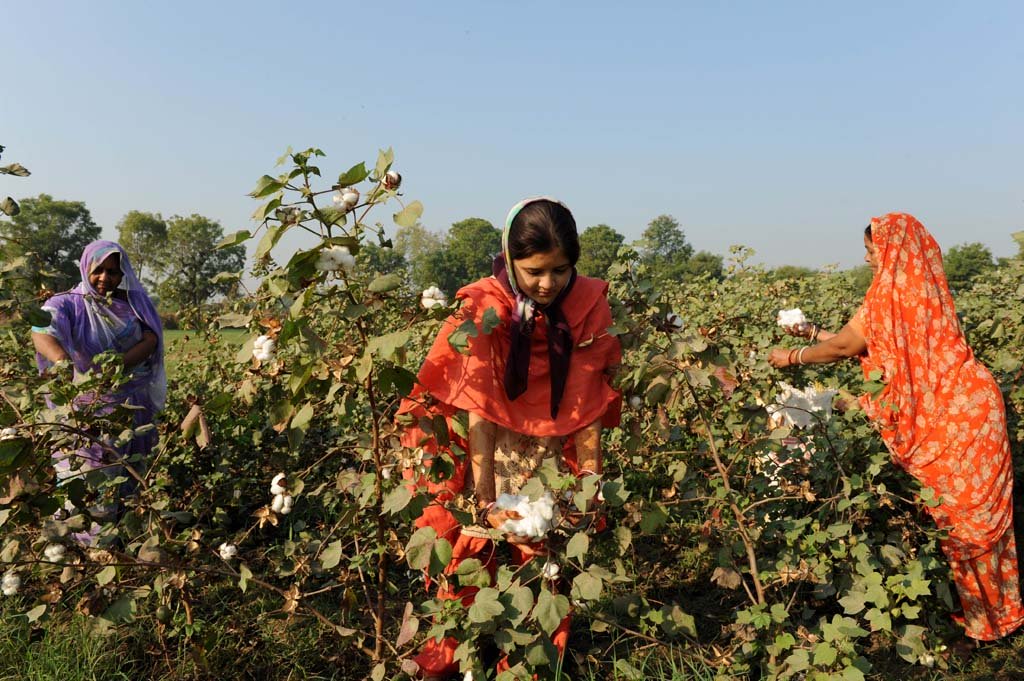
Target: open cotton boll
{"points": [[536, 518], [551, 570], [335, 258], [277, 504], [8, 433], [433, 297], [54, 553], [635, 401], [674, 320], [286, 504], [794, 317], [227, 551], [277, 484], [263, 348], [796, 408], [11, 583]]}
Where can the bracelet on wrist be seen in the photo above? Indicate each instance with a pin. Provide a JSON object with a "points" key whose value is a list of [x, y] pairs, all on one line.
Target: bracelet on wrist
{"points": [[789, 357], [800, 356]]}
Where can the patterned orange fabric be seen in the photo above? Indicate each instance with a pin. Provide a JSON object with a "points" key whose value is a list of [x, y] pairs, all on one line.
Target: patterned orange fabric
{"points": [[942, 417], [449, 382]]}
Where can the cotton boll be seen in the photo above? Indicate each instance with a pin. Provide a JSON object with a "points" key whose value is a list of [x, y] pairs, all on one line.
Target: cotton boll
{"points": [[335, 258], [674, 320], [392, 180], [54, 553], [794, 317], [263, 348], [227, 551], [277, 504], [433, 297], [286, 504], [796, 408], [536, 518], [551, 570], [350, 197], [11, 583], [8, 433], [277, 485], [636, 402]]}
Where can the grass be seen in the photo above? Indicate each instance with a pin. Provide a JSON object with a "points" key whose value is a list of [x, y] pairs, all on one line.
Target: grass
{"points": [[184, 344]]}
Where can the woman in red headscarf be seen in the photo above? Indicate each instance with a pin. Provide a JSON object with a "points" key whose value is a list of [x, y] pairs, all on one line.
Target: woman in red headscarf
{"points": [[533, 384], [940, 414]]}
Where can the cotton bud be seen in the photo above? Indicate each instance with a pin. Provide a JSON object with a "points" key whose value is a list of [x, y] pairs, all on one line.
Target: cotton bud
{"points": [[263, 348], [433, 297], [11, 583], [8, 433], [551, 570], [391, 180], [794, 317], [674, 320], [636, 402], [277, 485], [54, 552], [335, 258], [227, 551]]}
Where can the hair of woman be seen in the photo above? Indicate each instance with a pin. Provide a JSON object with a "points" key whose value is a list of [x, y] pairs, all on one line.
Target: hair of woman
{"points": [[541, 227]]}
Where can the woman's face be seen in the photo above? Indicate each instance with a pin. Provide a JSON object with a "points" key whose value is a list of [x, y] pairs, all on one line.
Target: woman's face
{"points": [[870, 255], [542, 276], [106, 276]]}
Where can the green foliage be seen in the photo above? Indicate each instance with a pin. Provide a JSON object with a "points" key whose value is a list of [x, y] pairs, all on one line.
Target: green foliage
{"points": [[599, 246], [664, 248], [144, 238], [190, 261], [51, 233], [964, 263]]}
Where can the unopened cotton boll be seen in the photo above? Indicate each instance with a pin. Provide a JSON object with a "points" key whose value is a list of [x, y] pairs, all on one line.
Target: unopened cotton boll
{"points": [[263, 348], [433, 297], [392, 180], [8, 433], [227, 551], [794, 317], [11, 583], [54, 553], [277, 484]]}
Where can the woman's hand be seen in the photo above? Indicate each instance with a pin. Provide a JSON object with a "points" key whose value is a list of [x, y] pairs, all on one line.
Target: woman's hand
{"points": [[779, 358], [802, 330], [528, 545]]}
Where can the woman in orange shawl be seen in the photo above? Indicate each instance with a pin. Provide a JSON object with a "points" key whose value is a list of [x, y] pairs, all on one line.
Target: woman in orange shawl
{"points": [[534, 383], [940, 414]]}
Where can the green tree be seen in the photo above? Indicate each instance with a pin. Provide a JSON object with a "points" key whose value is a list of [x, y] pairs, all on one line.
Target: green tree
{"points": [[469, 250], [965, 262], [417, 246], [664, 247], [860, 279], [704, 262], [382, 259], [192, 261], [599, 245], [143, 236], [791, 272], [55, 231]]}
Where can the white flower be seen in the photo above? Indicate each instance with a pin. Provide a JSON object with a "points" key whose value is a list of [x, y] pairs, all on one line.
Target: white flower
{"points": [[794, 317], [674, 320], [227, 551], [391, 181], [551, 570], [536, 517], [335, 258], [54, 552], [11, 583], [263, 348], [282, 504], [277, 485], [433, 297], [636, 402], [795, 408], [8, 433]]}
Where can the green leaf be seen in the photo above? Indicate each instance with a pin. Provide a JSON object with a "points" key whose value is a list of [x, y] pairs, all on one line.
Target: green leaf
{"points": [[234, 320], [623, 538], [302, 418], [653, 518], [615, 492], [677, 622], [397, 500], [35, 613], [410, 215], [587, 587], [244, 575], [121, 611], [269, 240], [387, 345], [420, 547], [385, 283], [384, 161], [472, 572], [37, 316], [440, 556], [331, 556], [520, 605], [234, 239], [490, 321], [577, 546], [266, 186], [824, 654], [353, 175], [486, 607], [106, 575], [550, 611]]}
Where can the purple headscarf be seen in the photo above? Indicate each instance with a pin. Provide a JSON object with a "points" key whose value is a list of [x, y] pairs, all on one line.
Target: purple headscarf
{"points": [[87, 323]]}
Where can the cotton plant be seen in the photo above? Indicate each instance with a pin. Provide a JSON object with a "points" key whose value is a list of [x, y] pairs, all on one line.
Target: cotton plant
{"points": [[263, 348], [536, 518], [336, 258], [281, 501], [433, 297], [346, 199]]}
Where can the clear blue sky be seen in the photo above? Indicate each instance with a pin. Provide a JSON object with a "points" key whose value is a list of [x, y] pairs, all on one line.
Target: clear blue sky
{"points": [[783, 126]]}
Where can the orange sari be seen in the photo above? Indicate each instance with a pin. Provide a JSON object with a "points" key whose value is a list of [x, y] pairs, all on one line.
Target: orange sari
{"points": [[942, 417], [450, 381]]}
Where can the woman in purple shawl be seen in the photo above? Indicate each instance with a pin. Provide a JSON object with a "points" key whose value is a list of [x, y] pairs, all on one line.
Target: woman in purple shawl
{"points": [[108, 311]]}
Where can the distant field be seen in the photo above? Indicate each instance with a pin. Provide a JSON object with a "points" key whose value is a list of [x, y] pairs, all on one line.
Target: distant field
{"points": [[183, 343]]}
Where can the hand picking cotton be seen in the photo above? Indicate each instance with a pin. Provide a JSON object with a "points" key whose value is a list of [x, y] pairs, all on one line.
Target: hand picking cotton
{"points": [[794, 317], [796, 408], [536, 517]]}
